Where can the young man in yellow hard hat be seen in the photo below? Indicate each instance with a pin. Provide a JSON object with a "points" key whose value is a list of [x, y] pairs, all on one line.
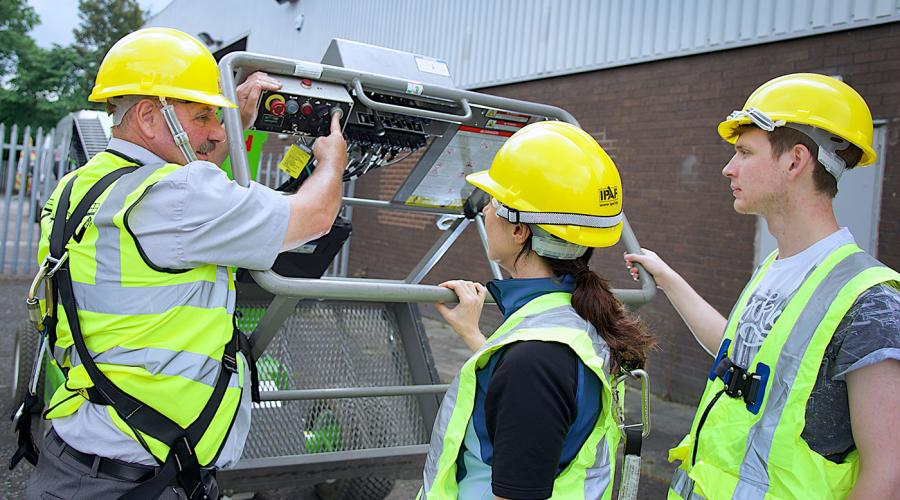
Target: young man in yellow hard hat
{"points": [[801, 400], [157, 390]]}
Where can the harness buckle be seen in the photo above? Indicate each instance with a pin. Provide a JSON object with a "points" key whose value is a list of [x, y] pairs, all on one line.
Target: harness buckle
{"points": [[229, 363], [644, 379], [741, 384], [46, 270], [56, 263]]}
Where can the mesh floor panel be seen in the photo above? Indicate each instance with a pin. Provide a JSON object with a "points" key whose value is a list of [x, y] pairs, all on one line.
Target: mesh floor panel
{"points": [[332, 345]]}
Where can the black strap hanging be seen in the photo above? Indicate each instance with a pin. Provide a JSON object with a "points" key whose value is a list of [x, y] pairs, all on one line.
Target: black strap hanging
{"points": [[59, 235]]}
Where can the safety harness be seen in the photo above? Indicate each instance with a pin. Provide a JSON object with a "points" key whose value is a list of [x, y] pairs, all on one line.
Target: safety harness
{"points": [[739, 384], [181, 466]]}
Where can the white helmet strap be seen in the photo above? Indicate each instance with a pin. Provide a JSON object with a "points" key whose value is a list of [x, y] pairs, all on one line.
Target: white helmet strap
{"points": [[547, 245], [828, 143], [123, 105], [178, 133]]}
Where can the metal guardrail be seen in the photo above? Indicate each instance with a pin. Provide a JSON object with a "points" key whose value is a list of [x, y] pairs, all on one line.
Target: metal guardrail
{"points": [[237, 64]]}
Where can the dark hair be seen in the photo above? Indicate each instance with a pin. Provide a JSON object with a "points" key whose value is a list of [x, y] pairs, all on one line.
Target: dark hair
{"points": [[624, 333], [783, 139]]}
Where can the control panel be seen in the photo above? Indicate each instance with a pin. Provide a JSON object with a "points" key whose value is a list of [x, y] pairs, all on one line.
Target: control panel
{"points": [[301, 107], [368, 126]]}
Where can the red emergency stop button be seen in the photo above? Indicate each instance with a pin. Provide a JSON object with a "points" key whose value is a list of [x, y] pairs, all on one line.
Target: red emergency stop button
{"points": [[277, 108], [275, 104], [306, 83]]}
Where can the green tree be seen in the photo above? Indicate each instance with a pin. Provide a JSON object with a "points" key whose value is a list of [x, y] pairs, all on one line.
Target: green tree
{"points": [[47, 85], [103, 23], [35, 82], [39, 86], [16, 20]]}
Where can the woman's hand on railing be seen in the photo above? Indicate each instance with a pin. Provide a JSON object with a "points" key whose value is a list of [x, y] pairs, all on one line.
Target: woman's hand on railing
{"points": [[464, 317]]}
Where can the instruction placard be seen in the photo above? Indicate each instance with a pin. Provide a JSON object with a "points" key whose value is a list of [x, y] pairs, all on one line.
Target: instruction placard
{"points": [[444, 186]]}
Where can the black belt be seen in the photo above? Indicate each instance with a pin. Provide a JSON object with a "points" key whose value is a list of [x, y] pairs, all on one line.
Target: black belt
{"points": [[116, 468]]}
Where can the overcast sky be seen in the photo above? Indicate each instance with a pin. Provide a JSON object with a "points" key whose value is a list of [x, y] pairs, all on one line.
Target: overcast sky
{"points": [[59, 18]]}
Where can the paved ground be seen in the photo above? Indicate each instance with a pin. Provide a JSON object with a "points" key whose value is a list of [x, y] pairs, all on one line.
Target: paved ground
{"points": [[12, 313], [670, 421]]}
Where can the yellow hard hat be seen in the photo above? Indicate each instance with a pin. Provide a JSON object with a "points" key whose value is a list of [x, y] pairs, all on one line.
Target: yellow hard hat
{"points": [[807, 99], [160, 62], [555, 175]]}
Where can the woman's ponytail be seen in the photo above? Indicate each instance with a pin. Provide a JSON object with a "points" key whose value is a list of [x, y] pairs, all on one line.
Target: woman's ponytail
{"points": [[626, 335]]}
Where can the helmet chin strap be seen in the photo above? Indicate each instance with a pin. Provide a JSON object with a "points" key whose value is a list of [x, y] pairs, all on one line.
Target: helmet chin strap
{"points": [[178, 133]]}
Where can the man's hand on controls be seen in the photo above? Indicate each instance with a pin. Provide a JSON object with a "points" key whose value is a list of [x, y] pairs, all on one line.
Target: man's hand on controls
{"points": [[248, 94], [331, 150]]}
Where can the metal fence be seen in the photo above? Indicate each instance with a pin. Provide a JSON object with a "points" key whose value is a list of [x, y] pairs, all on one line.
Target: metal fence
{"points": [[32, 163]]}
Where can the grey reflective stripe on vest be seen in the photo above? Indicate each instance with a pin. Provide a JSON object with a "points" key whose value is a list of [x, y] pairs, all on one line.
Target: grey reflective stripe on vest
{"points": [[597, 478], [107, 245], [754, 476], [189, 365], [682, 484], [110, 298], [436, 447], [557, 317]]}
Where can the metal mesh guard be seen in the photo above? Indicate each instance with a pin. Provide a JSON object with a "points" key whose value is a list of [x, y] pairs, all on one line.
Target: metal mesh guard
{"points": [[332, 345]]}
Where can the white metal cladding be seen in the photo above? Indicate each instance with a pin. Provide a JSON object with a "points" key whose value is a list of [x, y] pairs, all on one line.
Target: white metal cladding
{"points": [[491, 42]]}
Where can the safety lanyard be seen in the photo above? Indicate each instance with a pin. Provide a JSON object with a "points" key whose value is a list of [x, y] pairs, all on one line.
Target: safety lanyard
{"points": [[634, 433]]}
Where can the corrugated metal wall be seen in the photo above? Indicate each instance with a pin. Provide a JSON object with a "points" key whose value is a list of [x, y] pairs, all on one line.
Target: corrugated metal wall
{"points": [[490, 42]]}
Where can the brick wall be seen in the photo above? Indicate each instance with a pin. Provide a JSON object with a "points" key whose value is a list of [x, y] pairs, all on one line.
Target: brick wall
{"points": [[658, 121]]}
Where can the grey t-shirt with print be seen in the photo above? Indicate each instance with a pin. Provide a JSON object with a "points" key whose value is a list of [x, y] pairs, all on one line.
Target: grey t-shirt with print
{"points": [[869, 333]]}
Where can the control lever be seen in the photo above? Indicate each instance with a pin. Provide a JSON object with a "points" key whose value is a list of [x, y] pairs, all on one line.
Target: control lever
{"points": [[379, 127]]}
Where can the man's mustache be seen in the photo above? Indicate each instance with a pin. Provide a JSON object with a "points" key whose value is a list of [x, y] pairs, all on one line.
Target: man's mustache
{"points": [[206, 148]]}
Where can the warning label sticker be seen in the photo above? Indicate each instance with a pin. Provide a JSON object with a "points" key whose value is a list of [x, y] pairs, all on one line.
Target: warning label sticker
{"points": [[504, 125], [294, 160], [507, 116]]}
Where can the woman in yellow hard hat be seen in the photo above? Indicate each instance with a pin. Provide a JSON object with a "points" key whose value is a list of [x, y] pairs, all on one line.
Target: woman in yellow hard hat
{"points": [[531, 413]]}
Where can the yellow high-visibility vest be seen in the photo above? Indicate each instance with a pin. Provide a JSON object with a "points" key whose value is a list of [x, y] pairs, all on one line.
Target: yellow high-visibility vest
{"points": [[157, 334], [548, 318], [741, 450]]}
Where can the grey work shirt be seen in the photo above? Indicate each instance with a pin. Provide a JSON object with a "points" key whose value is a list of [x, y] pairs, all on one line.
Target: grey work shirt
{"points": [[192, 217]]}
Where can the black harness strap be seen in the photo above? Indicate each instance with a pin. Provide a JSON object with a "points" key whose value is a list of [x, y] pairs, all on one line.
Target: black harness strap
{"points": [[25, 440], [182, 464]]}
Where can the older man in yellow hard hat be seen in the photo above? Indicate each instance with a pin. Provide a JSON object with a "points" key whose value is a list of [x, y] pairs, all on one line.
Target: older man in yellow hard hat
{"points": [[146, 235]]}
